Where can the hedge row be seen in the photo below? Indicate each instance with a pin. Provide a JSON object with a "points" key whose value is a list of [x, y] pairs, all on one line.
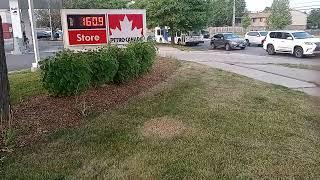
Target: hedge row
{"points": [[69, 73]]}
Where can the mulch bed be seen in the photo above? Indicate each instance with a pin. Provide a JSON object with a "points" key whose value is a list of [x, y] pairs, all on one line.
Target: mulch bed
{"points": [[41, 115]]}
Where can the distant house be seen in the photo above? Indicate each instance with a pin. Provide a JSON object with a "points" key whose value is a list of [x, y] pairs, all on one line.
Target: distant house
{"points": [[259, 20], [6, 23]]}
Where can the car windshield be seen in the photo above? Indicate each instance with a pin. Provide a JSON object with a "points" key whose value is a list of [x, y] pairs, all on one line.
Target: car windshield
{"points": [[264, 33], [302, 35], [230, 36]]}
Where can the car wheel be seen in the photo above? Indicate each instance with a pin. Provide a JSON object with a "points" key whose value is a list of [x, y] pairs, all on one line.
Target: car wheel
{"points": [[213, 46], [228, 47], [243, 48], [270, 49], [298, 52], [248, 43], [179, 41]]}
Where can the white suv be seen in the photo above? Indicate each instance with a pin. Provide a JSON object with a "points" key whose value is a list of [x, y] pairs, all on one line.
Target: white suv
{"points": [[298, 43], [255, 37]]}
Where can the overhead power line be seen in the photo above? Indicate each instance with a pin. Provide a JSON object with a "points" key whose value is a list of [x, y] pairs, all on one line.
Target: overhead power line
{"points": [[310, 6], [309, 2]]}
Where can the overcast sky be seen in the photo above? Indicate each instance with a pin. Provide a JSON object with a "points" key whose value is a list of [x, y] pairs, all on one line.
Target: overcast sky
{"points": [[259, 5]]}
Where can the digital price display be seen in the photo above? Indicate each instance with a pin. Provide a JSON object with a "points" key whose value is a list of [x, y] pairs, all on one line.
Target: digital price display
{"points": [[84, 21]]}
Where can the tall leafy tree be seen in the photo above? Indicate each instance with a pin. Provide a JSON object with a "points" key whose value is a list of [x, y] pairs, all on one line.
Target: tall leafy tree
{"points": [[179, 15], [220, 12], [314, 18], [95, 4], [280, 14], [43, 18], [246, 21], [4, 84], [267, 9]]}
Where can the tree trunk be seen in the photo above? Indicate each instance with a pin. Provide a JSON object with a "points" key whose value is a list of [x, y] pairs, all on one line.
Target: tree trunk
{"points": [[172, 39], [4, 84]]}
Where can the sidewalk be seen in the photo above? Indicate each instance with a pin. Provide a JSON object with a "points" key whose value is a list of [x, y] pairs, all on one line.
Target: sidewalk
{"points": [[304, 80]]}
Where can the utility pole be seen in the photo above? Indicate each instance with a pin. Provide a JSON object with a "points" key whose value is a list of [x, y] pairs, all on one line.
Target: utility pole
{"points": [[34, 37], [4, 84], [50, 18], [234, 16]]}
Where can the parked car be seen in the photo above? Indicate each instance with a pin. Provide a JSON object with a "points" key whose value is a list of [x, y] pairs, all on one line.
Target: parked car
{"points": [[43, 34], [151, 38], [58, 34], [255, 37], [298, 43], [228, 41], [205, 34]]}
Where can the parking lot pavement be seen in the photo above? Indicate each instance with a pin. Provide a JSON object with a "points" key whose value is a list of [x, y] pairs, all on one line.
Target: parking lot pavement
{"points": [[264, 68], [20, 62], [252, 50]]}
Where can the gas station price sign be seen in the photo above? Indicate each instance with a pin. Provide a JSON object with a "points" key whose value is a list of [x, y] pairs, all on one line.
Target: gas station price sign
{"points": [[90, 28], [86, 21]]}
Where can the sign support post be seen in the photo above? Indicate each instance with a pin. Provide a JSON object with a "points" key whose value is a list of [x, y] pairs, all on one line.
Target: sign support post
{"points": [[18, 47], [35, 65]]}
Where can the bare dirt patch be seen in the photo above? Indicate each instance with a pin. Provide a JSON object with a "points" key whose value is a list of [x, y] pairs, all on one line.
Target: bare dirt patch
{"points": [[163, 127], [43, 114]]}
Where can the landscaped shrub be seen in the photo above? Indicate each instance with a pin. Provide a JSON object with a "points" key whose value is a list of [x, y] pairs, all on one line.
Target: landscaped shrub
{"points": [[69, 73], [145, 53], [103, 64], [66, 74], [129, 66]]}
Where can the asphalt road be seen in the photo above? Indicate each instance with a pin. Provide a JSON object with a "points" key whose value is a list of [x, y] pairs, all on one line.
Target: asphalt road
{"points": [[21, 62], [252, 50], [48, 48]]}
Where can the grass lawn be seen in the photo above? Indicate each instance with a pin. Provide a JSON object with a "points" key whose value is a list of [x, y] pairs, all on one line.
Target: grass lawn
{"points": [[24, 84], [202, 123]]}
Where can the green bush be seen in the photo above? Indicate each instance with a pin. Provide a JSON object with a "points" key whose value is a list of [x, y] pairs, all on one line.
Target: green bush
{"points": [[129, 66], [145, 53], [103, 64], [65, 74], [69, 73]]}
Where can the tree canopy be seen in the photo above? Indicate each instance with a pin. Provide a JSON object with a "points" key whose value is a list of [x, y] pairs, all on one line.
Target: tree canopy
{"points": [[95, 4], [220, 12], [179, 15], [280, 14], [246, 21], [314, 18], [43, 17]]}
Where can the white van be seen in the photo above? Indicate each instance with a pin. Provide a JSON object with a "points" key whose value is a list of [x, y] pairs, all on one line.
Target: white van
{"points": [[162, 35]]}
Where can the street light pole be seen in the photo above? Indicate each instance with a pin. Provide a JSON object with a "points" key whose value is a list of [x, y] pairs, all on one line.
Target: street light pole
{"points": [[234, 15], [34, 37]]}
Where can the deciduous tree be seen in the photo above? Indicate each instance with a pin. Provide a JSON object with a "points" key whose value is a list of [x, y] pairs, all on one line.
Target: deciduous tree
{"points": [[220, 12], [179, 15], [4, 83], [280, 14], [314, 18], [95, 4], [43, 18], [246, 21]]}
